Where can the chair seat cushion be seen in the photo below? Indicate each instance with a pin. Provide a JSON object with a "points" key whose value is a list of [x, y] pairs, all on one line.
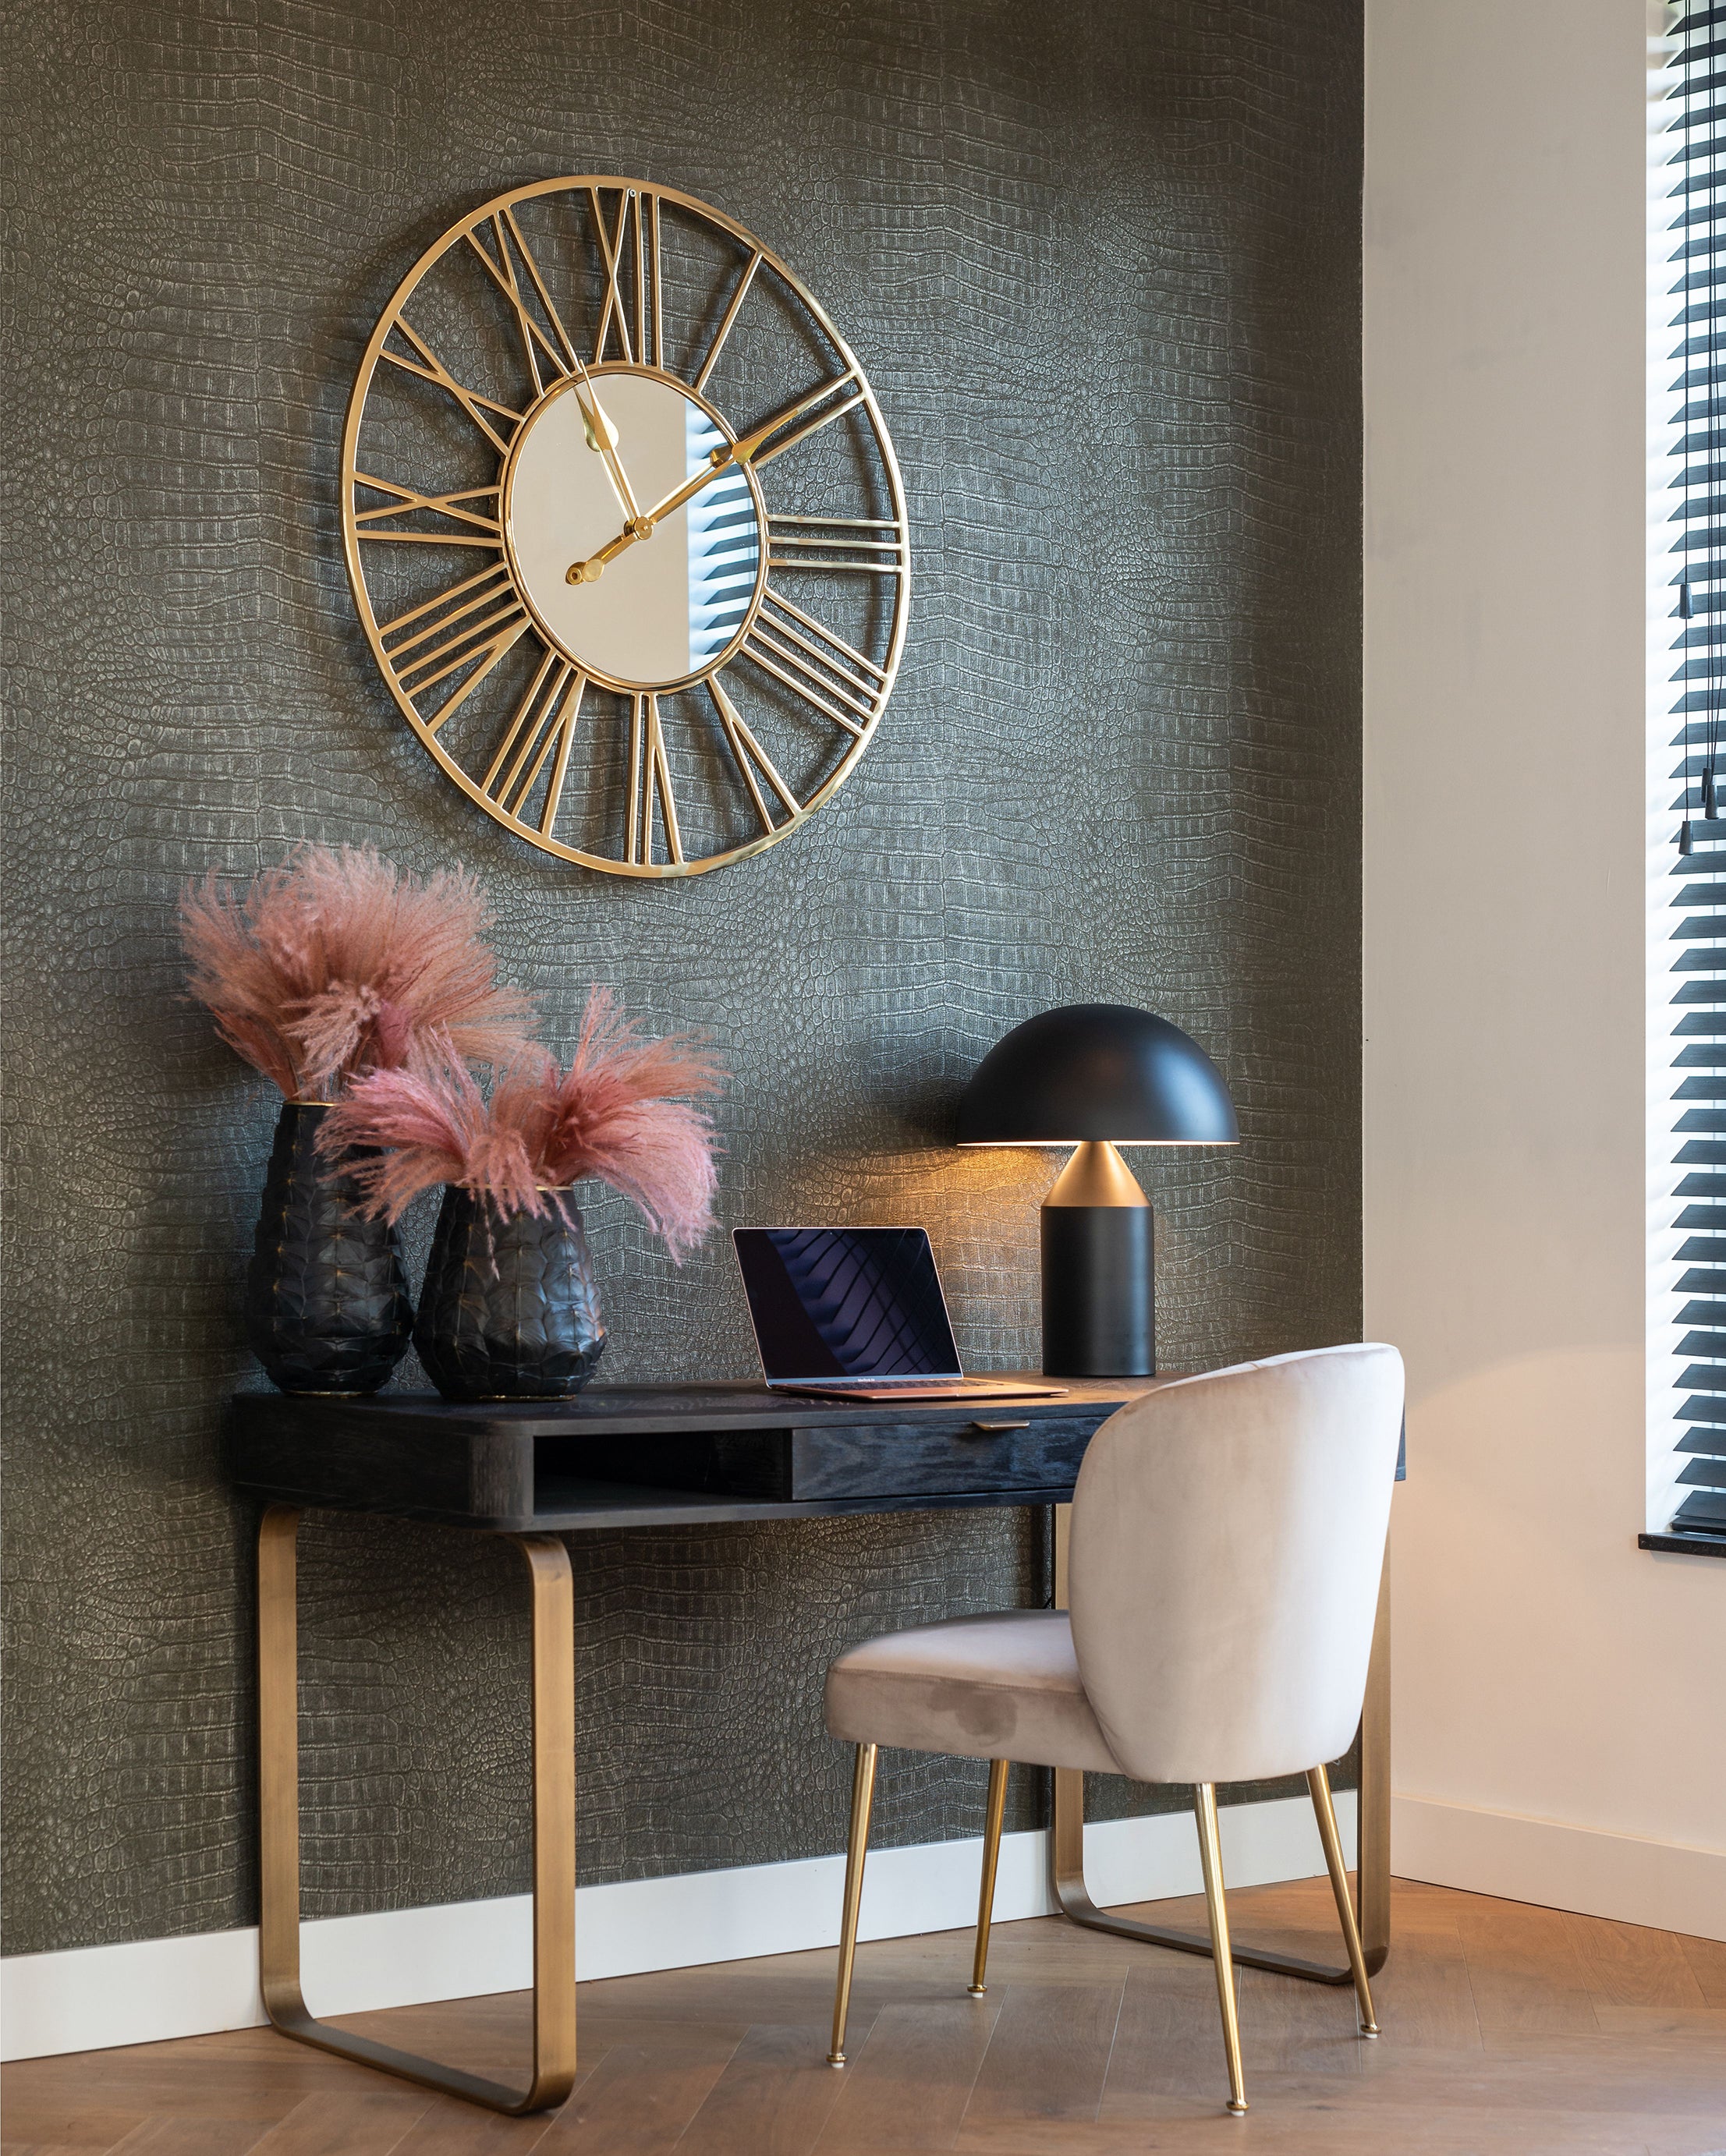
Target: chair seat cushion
{"points": [[1002, 1687]]}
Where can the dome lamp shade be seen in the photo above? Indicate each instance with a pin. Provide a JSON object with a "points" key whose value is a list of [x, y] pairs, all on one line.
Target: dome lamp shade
{"points": [[1095, 1071]]}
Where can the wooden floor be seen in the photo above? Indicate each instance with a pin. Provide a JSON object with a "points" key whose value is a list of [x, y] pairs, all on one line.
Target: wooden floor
{"points": [[1505, 2028]]}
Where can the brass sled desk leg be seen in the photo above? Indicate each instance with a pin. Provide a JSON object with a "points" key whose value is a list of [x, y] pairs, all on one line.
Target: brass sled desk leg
{"points": [[1066, 1834], [553, 1605]]}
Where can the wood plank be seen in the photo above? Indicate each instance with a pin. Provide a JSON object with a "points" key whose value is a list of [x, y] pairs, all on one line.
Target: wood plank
{"points": [[258, 2046], [1525, 1974], [1032, 1950], [1702, 2027], [1604, 2074], [53, 2116], [1312, 2131], [456, 2128], [149, 2081], [1708, 1964], [1288, 2026], [772, 2098], [634, 2102], [1422, 1995], [599, 2032], [908, 2087], [1168, 2043], [1048, 2054], [1631, 1965], [192, 2137], [44, 2149], [1682, 2138], [782, 1988], [448, 2126], [354, 2123]]}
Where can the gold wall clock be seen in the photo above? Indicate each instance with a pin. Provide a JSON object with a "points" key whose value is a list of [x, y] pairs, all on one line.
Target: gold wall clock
{"points": [[624, 527]]}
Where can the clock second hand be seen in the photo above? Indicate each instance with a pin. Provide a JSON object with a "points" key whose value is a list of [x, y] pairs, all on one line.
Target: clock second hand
{"points": [[728, 453]]}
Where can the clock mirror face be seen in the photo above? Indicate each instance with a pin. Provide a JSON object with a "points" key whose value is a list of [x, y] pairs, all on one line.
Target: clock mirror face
{"points": [[553, 369], [676, 604]]}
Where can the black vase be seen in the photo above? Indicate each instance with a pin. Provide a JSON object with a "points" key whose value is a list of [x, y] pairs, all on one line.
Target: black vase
{"points": [[327, 1299], [508, 1311]]}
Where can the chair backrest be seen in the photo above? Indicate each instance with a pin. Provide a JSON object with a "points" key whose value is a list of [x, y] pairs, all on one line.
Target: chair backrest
{"points": [[1228, 1537]]}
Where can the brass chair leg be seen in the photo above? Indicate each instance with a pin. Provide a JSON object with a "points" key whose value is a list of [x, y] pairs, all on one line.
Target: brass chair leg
{"points": [[1210, 1856], [856, 1849], [1318, 1782], [991, 1859]]}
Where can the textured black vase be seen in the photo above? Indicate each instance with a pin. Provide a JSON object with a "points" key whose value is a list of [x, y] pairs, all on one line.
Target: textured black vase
{"points": [[508, 1311], [327, 1299]]}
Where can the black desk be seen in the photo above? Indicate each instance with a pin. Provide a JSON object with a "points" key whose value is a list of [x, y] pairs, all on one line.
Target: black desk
{"points": [[649, 1455]]}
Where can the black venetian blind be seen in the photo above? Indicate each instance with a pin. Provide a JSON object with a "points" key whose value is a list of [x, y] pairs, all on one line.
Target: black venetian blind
{"points": [[1697, 940]]}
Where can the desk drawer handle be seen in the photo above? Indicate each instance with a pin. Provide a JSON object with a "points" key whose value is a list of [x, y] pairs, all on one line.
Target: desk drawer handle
{"points": [[989, 1429]]}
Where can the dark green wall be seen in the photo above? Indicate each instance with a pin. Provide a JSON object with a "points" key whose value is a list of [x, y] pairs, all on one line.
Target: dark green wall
{"points": [[1102, 263]]}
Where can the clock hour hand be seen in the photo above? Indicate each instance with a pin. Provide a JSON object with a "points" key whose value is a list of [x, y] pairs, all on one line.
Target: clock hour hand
{"points": [[756, 447]]}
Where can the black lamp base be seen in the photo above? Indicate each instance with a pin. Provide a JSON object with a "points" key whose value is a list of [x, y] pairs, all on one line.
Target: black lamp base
{"points": [[1099, 1307]]}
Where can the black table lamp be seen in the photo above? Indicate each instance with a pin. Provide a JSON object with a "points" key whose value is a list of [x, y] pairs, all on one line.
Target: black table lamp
{"points": [[1096, 1076]]}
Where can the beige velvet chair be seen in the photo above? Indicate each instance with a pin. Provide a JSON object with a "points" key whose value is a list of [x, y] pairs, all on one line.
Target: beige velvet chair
{"points": [[1228, 1534]]}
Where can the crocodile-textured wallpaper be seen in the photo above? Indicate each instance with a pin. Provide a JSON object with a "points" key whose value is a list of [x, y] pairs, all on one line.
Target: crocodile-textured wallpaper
{"points": [[1102, 264]]}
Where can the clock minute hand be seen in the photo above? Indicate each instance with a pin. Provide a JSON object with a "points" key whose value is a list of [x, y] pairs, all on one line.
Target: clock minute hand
{"points": [[602, 436], [746, 450]]}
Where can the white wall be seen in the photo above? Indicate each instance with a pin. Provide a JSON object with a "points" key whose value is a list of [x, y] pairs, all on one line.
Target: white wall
{"points": [[1546, 1670]]}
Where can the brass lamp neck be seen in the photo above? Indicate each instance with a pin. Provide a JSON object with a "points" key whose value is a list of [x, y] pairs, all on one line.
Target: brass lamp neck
{"points": [[1095, 1175]]}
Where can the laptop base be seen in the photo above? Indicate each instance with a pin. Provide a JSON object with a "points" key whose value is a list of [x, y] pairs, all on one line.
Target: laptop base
{"points": [[957, 1388]]}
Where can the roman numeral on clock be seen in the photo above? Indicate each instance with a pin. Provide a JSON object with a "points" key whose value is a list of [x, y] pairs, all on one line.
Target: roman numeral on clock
{"points": [[543, 725], [830, 675], [863, 545], [752, 762], [649, 782], [472, 625], [427, 366], [549, 353], [730, 316], [472, 527], [614, 247]]}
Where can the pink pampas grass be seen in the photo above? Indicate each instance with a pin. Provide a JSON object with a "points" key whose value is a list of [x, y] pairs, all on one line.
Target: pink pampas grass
{"points": [[336, 963], [610, 1114]]}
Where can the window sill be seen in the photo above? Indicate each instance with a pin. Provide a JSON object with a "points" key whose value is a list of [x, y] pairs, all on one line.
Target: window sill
{"points": [[1685, 1545]]}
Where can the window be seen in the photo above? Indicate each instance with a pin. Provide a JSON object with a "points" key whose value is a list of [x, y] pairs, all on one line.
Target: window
{"points": [[1686, 1482]]}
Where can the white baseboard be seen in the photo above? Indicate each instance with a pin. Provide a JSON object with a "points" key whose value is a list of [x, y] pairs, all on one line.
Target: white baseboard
{"points": [[91, 1997], [1664, 1884]]}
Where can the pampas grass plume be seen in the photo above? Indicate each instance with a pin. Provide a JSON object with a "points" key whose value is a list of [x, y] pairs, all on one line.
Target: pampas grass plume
{"points": [[614, 1115], [336, 963]]}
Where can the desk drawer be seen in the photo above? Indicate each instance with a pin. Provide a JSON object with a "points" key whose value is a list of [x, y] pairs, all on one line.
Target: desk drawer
{"points": [[998, 1450], [1002, 1448]]}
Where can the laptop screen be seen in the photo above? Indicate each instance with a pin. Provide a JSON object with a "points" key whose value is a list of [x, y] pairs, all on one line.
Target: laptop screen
{"points": [[863, 1303]]}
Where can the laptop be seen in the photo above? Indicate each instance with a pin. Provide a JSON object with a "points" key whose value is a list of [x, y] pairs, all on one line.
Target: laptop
{"points": [[858, 1314]]}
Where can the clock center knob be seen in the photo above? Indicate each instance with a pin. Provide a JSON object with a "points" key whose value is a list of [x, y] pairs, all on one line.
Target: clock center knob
{"points": [[676, 604]]}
